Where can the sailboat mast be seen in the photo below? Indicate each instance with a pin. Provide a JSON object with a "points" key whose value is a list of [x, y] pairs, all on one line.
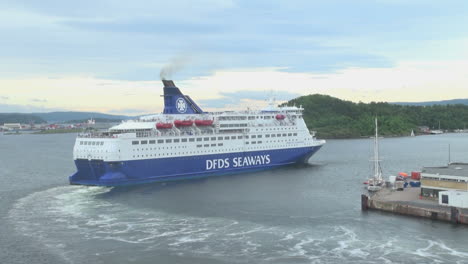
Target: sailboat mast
{"points": [[376, 152]]}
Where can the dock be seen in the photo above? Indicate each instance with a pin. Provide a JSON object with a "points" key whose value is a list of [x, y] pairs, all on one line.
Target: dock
{"points": [[408, 202]]}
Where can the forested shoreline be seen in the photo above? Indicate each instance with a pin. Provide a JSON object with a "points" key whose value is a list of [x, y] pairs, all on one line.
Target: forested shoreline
{"points": [[335, 118]]}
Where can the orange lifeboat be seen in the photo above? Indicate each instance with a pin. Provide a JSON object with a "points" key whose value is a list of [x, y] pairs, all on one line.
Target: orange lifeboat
{"points": [[280, 117], [163, 125], [183, 123], [203, 122]]}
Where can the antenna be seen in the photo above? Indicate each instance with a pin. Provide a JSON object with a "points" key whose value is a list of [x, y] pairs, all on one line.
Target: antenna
{"points": [[449, 154]]}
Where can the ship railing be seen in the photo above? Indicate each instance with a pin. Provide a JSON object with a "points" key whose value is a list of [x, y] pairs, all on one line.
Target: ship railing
{"points": [[176, 133], [94, 135]]}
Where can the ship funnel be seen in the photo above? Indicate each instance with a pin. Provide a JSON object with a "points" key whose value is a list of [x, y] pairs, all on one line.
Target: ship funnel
{"points": [[177, 103]]}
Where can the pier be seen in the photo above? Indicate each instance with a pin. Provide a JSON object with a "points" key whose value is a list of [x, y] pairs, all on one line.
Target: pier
{"points": [[409, 202]]}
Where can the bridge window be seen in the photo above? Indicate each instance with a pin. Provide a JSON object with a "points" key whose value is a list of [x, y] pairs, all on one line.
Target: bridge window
{"points": [[144, 142], [176, 140], [160, 141], [168, 140], [184, 140], [191, 140], [135, 142]]}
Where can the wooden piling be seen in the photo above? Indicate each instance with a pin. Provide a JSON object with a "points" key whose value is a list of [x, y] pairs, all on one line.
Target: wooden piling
{"points": [[364, 202]]}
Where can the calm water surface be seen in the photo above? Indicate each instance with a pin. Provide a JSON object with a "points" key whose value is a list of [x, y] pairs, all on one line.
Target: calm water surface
{"points": [[300, 214]]}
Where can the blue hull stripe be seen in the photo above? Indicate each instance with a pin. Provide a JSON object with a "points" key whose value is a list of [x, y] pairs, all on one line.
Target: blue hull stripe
{"points": [[100, 173]]}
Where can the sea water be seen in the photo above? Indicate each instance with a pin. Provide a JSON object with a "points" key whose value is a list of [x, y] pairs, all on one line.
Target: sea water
{"points": [[297, 214]]}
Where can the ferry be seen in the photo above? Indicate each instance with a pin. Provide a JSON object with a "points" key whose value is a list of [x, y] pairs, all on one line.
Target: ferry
{"points": [[185, 142]]}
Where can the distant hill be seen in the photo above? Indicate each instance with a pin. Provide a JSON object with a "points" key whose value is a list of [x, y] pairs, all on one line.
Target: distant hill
{"points": [[335, 118], [69, 116], [443, 102], [20, 118]]}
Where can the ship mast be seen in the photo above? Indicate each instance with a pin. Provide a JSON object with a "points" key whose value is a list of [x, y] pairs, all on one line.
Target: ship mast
{"points": [[377, 173]]}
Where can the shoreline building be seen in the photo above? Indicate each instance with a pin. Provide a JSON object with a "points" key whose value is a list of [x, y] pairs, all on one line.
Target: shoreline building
{"points": [[452, 177]]}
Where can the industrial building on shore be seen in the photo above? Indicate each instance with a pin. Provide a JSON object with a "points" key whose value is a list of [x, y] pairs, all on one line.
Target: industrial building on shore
{"points": [[453, 177]]}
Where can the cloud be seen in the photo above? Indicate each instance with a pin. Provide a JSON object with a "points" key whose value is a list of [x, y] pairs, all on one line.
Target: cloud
{"points": [[128, 111], [4, 97], [238, 98], [15, 108], [121, 40], [38, 100], [236, 89]]}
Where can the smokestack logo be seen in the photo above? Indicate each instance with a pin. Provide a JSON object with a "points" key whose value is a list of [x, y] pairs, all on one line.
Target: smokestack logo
{"points": [[181, 105]]}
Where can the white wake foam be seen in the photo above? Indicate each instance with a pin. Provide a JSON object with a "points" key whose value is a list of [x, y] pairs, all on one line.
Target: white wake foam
{"points": [[75, 221]]}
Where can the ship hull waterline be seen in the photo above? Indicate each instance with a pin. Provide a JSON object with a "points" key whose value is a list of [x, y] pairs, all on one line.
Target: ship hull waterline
{"points": [[131, 172]]}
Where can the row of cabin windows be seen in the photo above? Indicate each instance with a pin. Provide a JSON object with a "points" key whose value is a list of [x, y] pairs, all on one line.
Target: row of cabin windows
{"points": [[444, 179], [202, 151], [92, 143], [208, 145], [254, 142], [177, 140], [250, 117], [212, 145], [233, 125], [279, 135]]}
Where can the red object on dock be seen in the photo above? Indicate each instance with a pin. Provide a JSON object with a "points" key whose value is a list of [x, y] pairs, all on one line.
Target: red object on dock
{"points": [[203, 122], [181, 123], [163, 125], [366, 182], [415, 175], [403, 174]]}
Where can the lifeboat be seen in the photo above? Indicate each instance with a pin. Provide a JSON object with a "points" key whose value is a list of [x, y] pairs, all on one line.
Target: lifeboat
{"points": [[280, 117], [163, 125], [203, 122], [183, 123]]}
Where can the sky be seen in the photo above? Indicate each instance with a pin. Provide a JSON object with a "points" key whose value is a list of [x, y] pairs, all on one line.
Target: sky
{"points": [[106, 56]]}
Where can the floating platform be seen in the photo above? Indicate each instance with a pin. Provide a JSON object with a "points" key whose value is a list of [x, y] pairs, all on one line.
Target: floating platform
{"points": [[408, 202]]}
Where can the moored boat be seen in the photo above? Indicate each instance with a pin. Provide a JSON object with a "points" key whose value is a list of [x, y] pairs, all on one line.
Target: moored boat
{"points": [[376, 182]]}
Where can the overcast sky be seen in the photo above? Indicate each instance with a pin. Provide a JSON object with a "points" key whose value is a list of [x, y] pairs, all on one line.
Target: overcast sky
{"points": [[106, 56]]}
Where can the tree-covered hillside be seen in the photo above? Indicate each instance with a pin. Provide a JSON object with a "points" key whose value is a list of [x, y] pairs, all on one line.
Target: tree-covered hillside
{"points": [[20, 118], [335, 118]]}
